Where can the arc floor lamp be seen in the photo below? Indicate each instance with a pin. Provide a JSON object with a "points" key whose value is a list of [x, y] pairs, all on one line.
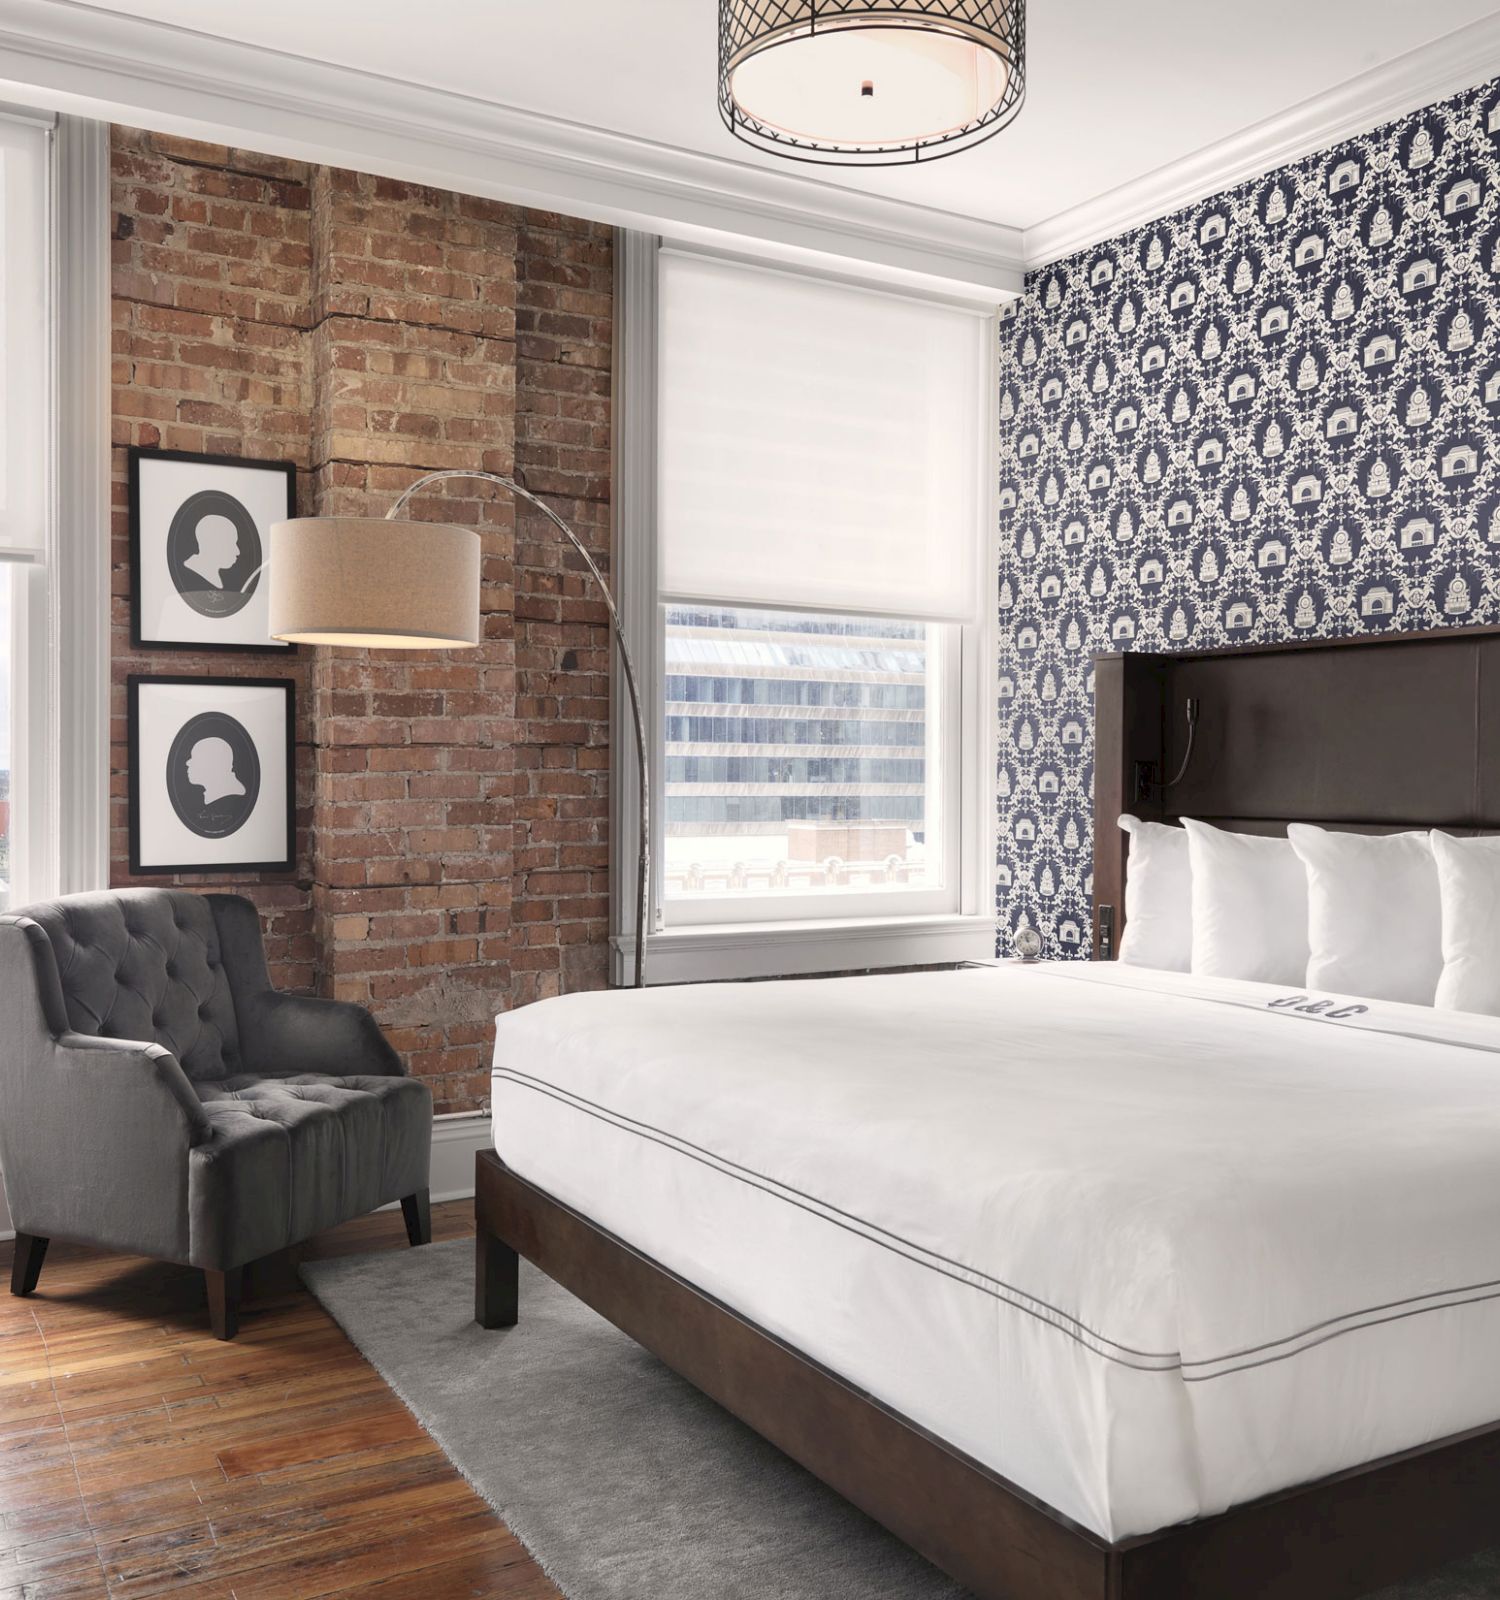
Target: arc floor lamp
{"points": [[390, 583]]}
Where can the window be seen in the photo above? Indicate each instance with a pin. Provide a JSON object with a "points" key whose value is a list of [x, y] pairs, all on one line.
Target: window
{"points": [[804, 762], [7, 766], [25, 457], [820, 574], [54, 564]]}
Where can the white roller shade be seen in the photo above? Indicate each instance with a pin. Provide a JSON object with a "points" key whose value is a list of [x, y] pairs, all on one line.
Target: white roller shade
{"points": [[821, 446], [24, 396]]}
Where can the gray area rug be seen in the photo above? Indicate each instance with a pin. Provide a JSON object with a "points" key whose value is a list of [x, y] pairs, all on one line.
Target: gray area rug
{"points": [[621, 1479]]}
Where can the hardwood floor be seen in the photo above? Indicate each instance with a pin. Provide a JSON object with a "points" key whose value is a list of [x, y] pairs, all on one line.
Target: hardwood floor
{"points": [[141, 1456]]}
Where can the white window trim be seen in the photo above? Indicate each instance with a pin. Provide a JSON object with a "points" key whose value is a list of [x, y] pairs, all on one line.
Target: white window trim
{"points": [[79, 712], [633, 574], [708, 951], [61, 744]]}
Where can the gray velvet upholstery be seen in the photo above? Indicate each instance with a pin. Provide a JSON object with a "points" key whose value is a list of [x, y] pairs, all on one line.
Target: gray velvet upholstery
{"points": [[157, 1095], [145, 964]]}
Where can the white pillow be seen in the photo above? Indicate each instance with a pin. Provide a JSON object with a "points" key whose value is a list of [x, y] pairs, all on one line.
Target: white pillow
{"points": [[1374, 917], [1249, 906], [1158, 897], [1469, 877]]}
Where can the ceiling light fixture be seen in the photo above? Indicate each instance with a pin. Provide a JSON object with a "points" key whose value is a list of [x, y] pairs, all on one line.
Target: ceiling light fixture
{"points": [[870, 83]]}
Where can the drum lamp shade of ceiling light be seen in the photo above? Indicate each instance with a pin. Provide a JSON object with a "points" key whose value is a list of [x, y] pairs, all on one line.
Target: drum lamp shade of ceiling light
{"points": [[870, 83], [373, 581]]}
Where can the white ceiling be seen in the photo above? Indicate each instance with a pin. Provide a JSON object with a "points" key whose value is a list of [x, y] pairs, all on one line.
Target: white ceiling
{"points": [[1115, 91]]}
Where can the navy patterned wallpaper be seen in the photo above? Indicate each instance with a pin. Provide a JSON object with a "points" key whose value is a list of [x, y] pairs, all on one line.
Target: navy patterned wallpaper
{"points": [[1270, 416]]}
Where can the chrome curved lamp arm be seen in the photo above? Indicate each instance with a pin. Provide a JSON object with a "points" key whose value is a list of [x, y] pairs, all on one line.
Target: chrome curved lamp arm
{"points": [[643, 873]]}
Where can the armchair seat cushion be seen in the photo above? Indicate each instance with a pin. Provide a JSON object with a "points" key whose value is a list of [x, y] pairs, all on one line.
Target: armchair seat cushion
{"points": [[290, 1156]]}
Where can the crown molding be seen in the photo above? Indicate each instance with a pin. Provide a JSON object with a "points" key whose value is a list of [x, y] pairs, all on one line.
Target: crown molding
{"points": [[1431, 72], [73, 57], [69, 56]]}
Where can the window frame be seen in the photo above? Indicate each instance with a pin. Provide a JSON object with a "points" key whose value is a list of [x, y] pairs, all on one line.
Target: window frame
{"points": [[877, 935], [60, 590]]}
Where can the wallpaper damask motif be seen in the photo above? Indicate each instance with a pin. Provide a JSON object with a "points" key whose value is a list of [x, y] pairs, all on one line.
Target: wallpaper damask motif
{"points": [[1270, 416]]}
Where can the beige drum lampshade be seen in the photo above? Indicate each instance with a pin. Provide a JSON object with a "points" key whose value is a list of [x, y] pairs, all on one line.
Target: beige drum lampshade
{"points": [[374, 582]]}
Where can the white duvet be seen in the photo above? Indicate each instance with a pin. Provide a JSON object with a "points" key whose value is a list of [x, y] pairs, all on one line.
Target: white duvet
{"points": [[1147, 1245]]}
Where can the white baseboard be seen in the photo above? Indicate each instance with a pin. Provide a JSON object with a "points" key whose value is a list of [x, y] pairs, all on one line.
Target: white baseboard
{"points": [[456, 1139]]}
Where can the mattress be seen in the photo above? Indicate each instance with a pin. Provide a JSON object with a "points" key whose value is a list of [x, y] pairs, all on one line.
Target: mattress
{"points": [[1145, 1244]]}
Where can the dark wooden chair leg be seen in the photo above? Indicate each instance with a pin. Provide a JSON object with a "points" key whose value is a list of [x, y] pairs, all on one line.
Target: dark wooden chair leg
{"points": [[497, 1272], [224, 1290], [27, 1266], [418, 1213]]}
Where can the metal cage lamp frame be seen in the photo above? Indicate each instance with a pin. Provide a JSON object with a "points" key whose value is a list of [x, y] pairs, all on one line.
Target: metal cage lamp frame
{"points": [[994, 30]]}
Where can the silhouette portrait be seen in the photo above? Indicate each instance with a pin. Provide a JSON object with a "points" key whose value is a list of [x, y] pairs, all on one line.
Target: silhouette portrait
{"points": [[218, 549], [214, 553], [213, 775]]}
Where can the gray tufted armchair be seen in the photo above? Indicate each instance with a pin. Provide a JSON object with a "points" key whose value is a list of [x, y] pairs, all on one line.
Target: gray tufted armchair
{"points": [[157, 1095]]}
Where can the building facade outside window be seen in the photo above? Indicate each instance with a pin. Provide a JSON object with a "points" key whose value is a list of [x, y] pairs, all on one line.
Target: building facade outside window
{"points": [[803, 760]]}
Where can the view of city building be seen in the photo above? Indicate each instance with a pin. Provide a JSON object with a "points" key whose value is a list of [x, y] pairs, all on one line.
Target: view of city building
{"points": [[796, 753]]}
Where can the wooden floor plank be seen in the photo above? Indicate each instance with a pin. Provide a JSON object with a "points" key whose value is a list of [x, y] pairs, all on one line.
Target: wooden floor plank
{"points": [[352, 1565], [318, 1443], [140, 1456], [464, 1579]]}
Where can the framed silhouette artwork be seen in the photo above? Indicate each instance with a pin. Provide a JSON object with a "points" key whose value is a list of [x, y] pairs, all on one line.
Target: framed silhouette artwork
{"points": [[199, 529], [212, 774]]}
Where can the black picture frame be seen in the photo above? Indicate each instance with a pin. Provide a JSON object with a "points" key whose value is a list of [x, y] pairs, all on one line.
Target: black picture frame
{"points": [[135, 684], [137, 457]]}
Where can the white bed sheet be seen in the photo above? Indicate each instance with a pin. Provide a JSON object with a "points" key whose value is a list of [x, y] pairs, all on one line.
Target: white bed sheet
{"points": [[1146, 1244]]}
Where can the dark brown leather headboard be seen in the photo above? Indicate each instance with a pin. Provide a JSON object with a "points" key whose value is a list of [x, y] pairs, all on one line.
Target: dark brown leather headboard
{"points": [[1377, 734]]}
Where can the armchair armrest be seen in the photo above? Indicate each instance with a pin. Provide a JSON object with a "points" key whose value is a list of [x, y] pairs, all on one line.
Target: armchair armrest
{"points": [[283, 1035], [94, 1132], [119, 1076], [96, 1143]]}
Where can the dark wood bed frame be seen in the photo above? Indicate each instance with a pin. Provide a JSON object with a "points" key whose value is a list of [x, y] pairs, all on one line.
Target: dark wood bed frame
{"points": [[1371, 734]]}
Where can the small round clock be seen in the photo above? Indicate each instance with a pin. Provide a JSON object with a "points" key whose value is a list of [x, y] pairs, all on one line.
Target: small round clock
{"points": [[1026, 943]]}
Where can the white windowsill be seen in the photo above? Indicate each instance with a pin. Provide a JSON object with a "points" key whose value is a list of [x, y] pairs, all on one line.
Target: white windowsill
{"points": [[706, 952]]}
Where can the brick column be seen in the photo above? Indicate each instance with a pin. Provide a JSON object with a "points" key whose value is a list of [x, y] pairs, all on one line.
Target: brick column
{"points": [[413, 358]]}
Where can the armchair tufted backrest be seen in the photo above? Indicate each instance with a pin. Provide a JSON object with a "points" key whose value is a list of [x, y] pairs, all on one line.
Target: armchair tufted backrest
{"points": [[145, 964]]}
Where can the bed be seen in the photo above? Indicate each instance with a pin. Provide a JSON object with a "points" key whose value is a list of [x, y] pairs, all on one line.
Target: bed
{"points": [[1086, 1281]]}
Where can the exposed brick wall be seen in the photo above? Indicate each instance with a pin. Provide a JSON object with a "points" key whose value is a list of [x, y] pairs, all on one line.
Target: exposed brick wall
{"points": [[212, 303], [453, 825], [562, 645], [414, 369]]}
